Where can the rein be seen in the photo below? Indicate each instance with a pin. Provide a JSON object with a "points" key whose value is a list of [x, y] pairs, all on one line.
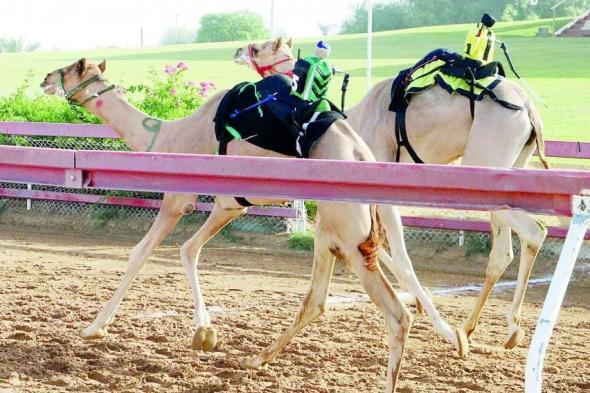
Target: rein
{"points": [[70, 94], [271, 67]]}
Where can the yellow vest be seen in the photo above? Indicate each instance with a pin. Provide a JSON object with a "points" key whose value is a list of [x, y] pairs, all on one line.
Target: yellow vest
{"points": [[480, 43]]}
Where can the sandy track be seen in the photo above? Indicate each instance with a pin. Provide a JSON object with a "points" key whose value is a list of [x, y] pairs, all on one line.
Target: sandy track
{"points": [[51, 286]]}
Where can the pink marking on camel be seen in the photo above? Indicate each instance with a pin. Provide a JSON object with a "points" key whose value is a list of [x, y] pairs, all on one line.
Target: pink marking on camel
{"points": [[99, 103]]}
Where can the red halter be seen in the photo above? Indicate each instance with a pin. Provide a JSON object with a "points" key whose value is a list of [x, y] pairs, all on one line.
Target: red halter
{"points": [[268, 68]]}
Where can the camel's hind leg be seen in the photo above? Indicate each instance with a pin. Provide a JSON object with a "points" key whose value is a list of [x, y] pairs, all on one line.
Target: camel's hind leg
{"points": [[500, 257], [313, 304], [205, 336], [397, 317], [532, 233], [174, 206], [401, 266]]}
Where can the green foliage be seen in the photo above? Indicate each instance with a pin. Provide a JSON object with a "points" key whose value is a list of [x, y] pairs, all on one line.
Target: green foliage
{"points": [[12, 45], [230, 236], [477, 244], [103, 214], [3, 206], [21, 107], [302, 241], [312, 210], [401, 14], [171, 96], [231, 26]]}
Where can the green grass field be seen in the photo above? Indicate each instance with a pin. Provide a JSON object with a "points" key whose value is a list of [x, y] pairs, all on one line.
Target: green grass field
{"points": [[557, 68]]}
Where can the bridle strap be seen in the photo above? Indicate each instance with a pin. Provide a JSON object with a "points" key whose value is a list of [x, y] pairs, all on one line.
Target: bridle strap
{"points": [[70, 94], [262, 70], [94, 96]]}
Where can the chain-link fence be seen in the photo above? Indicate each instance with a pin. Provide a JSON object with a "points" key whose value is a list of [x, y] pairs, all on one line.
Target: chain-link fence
{"points": [[472, 242], [248, 223]]}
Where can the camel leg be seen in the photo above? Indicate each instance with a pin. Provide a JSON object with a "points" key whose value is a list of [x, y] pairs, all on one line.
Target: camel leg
{"points": [[531, 232], [174, 206], [500, 257], [206, 336], [313, 304], [401, 266], [397, 317]]}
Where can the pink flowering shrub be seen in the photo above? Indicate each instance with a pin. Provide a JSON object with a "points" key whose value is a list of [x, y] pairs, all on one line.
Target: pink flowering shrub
{"points": [[170, 96]]}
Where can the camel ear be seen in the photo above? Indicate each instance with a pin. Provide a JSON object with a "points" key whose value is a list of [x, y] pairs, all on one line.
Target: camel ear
{"points": [[81, 66], [290, 43], [277, 45], [102, 66]]}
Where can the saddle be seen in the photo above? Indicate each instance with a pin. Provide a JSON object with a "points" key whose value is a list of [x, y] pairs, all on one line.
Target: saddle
{"points": [[452, 72], [268, 115]]}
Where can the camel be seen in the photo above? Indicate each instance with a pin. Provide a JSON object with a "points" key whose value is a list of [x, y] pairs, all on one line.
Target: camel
{"points": [[351, 232], [441, 130]]}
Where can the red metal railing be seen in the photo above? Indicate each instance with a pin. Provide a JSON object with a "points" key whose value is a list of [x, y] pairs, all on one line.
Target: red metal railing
{"points": [[580, 150], [436, 186]]}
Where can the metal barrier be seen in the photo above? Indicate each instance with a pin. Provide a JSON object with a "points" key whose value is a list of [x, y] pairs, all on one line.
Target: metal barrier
{"points": [[577, 150]]}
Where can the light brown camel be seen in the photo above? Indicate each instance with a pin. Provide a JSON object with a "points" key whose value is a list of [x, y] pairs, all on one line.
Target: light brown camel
{"points": [[343, 229], [441, 130]]}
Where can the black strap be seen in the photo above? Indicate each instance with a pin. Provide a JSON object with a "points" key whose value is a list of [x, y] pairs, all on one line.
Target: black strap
{"points": [[222, 148], [401, 136], [222, 151], [243, 202]]}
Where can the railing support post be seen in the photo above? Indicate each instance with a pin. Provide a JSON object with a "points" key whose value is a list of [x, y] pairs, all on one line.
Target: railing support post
{"points": [[556, 293], [29, 201]]}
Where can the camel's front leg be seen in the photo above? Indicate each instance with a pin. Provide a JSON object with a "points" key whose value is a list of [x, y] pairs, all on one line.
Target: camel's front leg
{"points": [[401, 266], [173, 208], [205, 336], [313, 305]]}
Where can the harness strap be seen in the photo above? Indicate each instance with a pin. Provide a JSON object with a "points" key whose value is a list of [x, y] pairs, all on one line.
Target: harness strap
{"points": [[261, 70], [96, 95], [222, 151], [401, 137]]}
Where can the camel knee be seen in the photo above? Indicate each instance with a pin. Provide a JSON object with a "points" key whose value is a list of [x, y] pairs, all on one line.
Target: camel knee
{"points": [[188, 255]]}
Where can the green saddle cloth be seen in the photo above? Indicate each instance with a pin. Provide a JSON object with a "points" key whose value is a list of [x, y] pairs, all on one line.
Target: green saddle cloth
{"points": [[438, 72]]}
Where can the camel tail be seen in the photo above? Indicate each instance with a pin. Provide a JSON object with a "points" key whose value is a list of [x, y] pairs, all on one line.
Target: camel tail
{"points": [[370, 247], [537, 123]]}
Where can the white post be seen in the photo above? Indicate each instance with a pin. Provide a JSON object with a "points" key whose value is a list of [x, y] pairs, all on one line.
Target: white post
{"points": [[462, 232], [29, 202], [369, 44], [556, 293], [272, 19], [301, 216]]}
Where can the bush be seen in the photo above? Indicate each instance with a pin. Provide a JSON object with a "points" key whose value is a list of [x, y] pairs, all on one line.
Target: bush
{"points": [[311, 208], [170, 97], [477, 244], [302, 241]]}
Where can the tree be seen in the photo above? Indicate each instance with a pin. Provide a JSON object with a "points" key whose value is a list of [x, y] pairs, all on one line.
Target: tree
{"points": [[16, 45], [232, 26], [173, 36], [399, 14]]}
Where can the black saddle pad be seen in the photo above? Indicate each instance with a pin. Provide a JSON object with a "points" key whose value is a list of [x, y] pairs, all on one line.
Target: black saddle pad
{"points": [[282, 123]]}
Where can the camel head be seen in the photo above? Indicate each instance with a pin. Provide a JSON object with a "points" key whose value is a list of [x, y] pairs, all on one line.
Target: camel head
{"points": [[70, 82], [267, 58]]}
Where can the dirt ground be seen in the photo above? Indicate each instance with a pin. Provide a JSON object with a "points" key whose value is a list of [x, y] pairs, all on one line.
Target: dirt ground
{"points": [[52, 285]]}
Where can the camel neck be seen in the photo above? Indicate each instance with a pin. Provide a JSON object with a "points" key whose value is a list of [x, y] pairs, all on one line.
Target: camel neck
{"points": [[142, 132]]}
